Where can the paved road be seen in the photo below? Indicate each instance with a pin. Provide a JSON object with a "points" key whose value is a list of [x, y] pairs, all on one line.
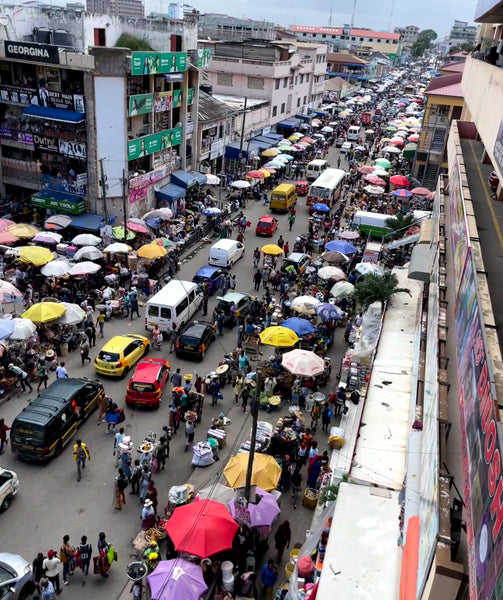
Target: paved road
{"points": [[51, 503]]}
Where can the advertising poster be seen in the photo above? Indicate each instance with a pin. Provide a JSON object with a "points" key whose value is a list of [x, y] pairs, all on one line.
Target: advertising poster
{"points": [[148, 63], [460, 240], [138, 186], [45, 143], [74, 149], [149, 144], [140, 104], [177, 98], [163, 101], [498, 147], [203, 58]]}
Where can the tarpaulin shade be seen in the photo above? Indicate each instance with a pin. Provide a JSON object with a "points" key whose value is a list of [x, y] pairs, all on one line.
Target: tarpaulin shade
{"points": [[87, 222], [185, 179], [54, 114], [170, 192], [289, 123]]}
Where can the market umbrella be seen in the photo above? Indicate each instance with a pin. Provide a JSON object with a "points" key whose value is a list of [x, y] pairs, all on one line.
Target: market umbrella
{"points": [[409, 151], [341, 246], [212, 179], [374, 190], [151, 251], [271, 249], [177, 578], [342, 289], [305, 305], [22, 230], [285, 157], [118, 248], [118, 233], [334, 257], [164, 242], [320, 207], [331, 273], [278, 336], [284, 148], [43, 312], [163, 213], [413, 138], [366, 169], [269, 170], [299, 326], [391, 149], [48, 237], [84, 268], [7, 238], [56, 268], [255, 175], [401, 193], [86, 239], [329, 312], [88, 253], [23, 329], [381, 172], [375, 180], [303, 362], [270, 153], [327, 129], [9, 293], [73, 315], [211, 210], [265, 473], [4, 223], [35, 255], [264, 172], [58, 222], [201, 528], [349, 235], [263, 513], [6, 328], [137, 225], [399, 180], [218, 492], [383, 162], [366, 268], [240, 184], [421, 191]]}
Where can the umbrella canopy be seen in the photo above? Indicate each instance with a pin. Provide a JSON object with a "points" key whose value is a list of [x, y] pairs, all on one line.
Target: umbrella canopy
{"points": [[281, 337], [285, 157], [240, 184], [334, 257], [164, 213], [6, 328], [164, 242], [201, 528], [35, 255], [349, 235], [43, 312], [255, 175], [4, 223], [264, 172], [218, 492], [73, 315], [88, 253], [365, 170], [118, 233], [305, 305], [7, 238], [375, 180], [421, 191], [86, 239], [271, 249], [178, 578], [58, 222], [374, 190], [303, 362], [327, 129], [137, 225], [263, 513], [381, 172], [21, 230], [320, 207], [151, 251], [84, 268], [383, 162], [391, 149], [23, 329], [413, 138], [48, 237], [56, 268], [212, 179], [270, 153], [329, 312], [341, 246], [409, 151], [366, 268], [342, 289], [401, 193], [9, 293], [399, 180], [117, 248], [299, 326], [265, 472], [331, 273]]}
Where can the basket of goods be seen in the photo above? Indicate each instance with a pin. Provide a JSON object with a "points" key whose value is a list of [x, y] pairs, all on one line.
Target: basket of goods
{"points": [[310, 498], [190, 416], [274, 402], [335, 442], [287, 435]]}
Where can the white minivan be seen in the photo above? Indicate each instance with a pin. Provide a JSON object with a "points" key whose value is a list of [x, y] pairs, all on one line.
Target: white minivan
{"points": [[175, 304], [353, 134], [315, 168], [225, 253]]}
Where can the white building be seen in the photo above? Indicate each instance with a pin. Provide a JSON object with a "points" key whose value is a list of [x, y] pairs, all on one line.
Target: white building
{"points": [[462, 33]]}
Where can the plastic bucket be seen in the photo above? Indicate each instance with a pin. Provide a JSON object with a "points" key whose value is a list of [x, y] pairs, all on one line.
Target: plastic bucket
{"points": [[289, 569], [227, 568], [63, 350]]}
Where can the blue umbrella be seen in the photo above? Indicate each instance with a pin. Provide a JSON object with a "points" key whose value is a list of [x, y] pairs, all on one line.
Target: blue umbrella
{"points": [[320, 207], [287, 156], [299, 326], [7, 328], [340, 246], [329, 312], [402, 193]]}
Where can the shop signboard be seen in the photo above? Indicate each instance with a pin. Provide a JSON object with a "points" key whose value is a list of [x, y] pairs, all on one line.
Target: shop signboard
{"points": [[498, 147], [174, 77], [140, 104], [18, 95], [148, 63], [190, 96], [46, 143], [59, 205], [74, 102], [460, 238], [203, 58], [163, 101], [60, 184], [31, 51], [138, 186], [74, 149], [26, 138], [149, 144]]}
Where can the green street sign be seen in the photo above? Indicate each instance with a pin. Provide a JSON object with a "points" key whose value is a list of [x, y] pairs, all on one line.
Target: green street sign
{"points": [[140, 104], [149, 144], [61, 206], [148, 63]]}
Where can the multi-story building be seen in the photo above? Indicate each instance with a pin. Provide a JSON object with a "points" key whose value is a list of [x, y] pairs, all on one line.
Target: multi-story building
{"points": [[348, 66], [408, 35], [213, 26], [132, 9], [462, 33]]}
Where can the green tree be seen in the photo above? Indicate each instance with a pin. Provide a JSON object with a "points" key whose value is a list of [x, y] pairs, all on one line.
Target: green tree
{"points": [[374, 288], [400, 223], [126, 40], [424, 41]]}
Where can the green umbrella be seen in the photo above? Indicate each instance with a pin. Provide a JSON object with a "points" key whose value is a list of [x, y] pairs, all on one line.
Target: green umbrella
{"points": [[409, 151], [391, 128], [384, 163], [118, 233], [284, 148]]}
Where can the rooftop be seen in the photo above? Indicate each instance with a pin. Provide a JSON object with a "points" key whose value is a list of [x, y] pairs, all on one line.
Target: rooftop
{"points": [[457, 67], [448, 85], [345, 57], [211, 109], [338, 31]]}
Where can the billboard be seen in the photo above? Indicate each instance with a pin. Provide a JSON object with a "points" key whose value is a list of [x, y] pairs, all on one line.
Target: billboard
{"points": [[138, 186], [460, 239], [203, 58], [149, 144], [149, 63], [140, 104], [498, 147]]}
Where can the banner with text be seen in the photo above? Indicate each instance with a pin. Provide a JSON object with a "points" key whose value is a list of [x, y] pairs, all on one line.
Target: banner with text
{"points": [[140, 104], [148, 63], [153, 143]]}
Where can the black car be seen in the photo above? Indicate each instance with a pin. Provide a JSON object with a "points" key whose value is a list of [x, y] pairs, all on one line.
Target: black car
{"points": [[241, 304], [195, 339]]}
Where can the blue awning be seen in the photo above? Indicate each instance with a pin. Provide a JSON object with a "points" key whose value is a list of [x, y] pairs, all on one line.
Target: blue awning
{"points": [[275, 137], [201, 179], [184, 179], [170, 192], [87, 222], [319, 113], [289, 123], [262, 142], [54, 114], [232, 150], [303, 118]]}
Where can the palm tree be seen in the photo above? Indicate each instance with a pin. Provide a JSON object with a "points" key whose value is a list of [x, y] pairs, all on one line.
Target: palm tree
{"points": [[374, 288], [400, 223]]}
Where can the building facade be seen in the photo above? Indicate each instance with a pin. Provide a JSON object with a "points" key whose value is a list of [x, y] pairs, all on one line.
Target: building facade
{"points": [[213, 26], [462, 33], [132, 9], [408, 35]]}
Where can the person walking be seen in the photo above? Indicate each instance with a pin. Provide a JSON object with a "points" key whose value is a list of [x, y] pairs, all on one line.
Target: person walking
{"points": [[282, 539], [3, 435], [120, 485], [22, 376], [238, 386], [326, 415], [80, 454], [296, 483], [84, 551], [66, 558], [119, 436], [133, 303], [189, 434], [61, 372], [47, 587], [291, 222], [51, 568], [245, 394], [268, 577], [206, 294], [144, 479], [100, 322], [38, 571], [214, 390], [43, 376], [172, 338], [257, 278], [84, 351], [102, 408]]}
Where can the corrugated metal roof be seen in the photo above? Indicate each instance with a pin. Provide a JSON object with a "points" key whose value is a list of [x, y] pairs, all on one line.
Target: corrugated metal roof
{"points": [[338, 31], [211, 109]]}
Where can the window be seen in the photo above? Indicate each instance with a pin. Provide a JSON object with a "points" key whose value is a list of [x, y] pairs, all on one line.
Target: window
{"points": [[378, 41], [255, 83], [353, 39], [285, 82], [100, 37], [224, 79], [282, 108], [323, 36], [274, 111], [165, 313], [153, 311], [276, 84], [307, 77], [296, 79], [291, 80], [182, 306], [333, 37], [362, 39], [301, 79], [305, 98], [298, 102]]}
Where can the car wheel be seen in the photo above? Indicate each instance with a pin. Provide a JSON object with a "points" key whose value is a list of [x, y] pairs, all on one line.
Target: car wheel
{"points": [[125, 372], [27, 591], [6, 503], [147, 350], [203, 354]]}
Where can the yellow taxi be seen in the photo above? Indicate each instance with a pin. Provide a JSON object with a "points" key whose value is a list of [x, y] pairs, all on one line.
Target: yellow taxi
{"points": [[121, 353]]}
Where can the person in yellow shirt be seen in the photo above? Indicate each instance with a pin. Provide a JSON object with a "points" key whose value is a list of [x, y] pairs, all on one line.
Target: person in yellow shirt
{"points": [[80, 454], [100, 321]]}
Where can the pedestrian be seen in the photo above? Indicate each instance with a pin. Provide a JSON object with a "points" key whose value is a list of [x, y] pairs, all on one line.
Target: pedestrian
{"points": [[102, 408], [172, 338], [61, 372], [147, 515], [233, 282], [38, 571], [100, 322], [43, 376], [84, 551], [245, 394], [91, 333], [22, 376], [176, 378], [84, 351], [241, 331], [205, 298], [152, 494], [238, 386], [135, 477], [189, 433], [326, 415], [144, 479], [162, 452], [3, 435], [48, 592], [282, 539], [257, 278], [119, 436], [133, 302], [296, 482], [102, 562], [339, 162], [80, 454], [243, 363], [120, 485], [268, 577], [347, 330], [51, 568], [291, 221], [214, 390], [66, 558], [256, 257]]}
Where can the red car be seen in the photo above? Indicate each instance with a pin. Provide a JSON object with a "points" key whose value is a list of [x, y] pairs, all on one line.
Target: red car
{"points": [[266, 226], [301, 188], [147, 383]]}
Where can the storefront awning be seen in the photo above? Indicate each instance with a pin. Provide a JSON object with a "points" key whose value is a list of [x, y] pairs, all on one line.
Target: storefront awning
{"points": [[201, 178], [319, 113], [263, 142], [410, 239], [420, 263], [232, 151], [186, 180], [87, 222], [275, 137], [289, 123], [170, 192], [54, 114], [303, 118], [61, 202]]}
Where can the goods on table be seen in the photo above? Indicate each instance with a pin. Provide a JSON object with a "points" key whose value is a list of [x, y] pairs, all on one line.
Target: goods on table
{"points": [[219, 435]]}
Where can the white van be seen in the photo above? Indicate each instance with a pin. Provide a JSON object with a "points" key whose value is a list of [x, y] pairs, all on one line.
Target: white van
{"points": [[353, 133], [315, 168], [225, 253], [175, 303]]}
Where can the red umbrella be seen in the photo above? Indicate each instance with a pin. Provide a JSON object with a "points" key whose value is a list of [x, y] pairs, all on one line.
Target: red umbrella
{"points": [[255, 175], [375, 180], [366, 169], [399, 180], [202, 528], [307, 140], [413, 138], [7, 238], [419, 191]]}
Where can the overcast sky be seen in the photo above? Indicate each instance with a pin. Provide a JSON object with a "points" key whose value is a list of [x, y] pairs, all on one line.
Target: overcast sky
{"points": [[435, 14]]}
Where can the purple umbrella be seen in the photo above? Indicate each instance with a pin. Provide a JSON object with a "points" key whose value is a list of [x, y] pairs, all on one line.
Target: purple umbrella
{"points": [[178, 579], [262, 514]]}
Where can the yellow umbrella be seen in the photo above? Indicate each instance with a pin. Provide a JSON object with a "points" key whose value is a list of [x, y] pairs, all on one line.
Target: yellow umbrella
{"points": [[22, 230], [44, 312], [151, 251], [36, 255], [266, 173], [294, 137], [272, 249], [278, 336], [265, 474], [270, 152]]}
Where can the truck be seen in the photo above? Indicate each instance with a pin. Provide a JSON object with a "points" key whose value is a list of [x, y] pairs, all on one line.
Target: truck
{"points": [[371, 223]]}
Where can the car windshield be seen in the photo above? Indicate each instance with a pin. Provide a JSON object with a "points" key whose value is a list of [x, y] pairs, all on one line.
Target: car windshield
{"points": [[140, 386], [189, 340], [28, 432], [108, 357]]}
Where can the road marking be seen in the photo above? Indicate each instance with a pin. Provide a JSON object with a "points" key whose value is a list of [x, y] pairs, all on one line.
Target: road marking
{"points": [[488, 199]]}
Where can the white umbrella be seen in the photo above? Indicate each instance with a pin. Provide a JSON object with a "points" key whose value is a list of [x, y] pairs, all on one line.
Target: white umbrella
{"points": [[88, 253], [366, 268], [240, 184], [374, 190], [117, 248], [159, 213], [342, 289], [212, 179], [331, 273], [23, 329], [305, 305], [58, 222], [303, 362], [44, 236], [84, 268], [327, 129], [56, 268], [73, 315], [392, 149], [86, 239]]}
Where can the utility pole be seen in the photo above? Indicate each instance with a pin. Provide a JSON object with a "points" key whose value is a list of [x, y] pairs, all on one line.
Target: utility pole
{"points": [[254, 411], [241, 141], [124, 202], [353, 17], [103, 183]]}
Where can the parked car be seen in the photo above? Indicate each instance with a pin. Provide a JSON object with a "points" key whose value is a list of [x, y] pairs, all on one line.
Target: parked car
{"points": [[212, 276], [195, 339], [121, 353], [9, 486], [146, 386], [346, 147], [339, 141], [298, 260], [301, 188], [266, 226], [241, 301], [15, 577]]}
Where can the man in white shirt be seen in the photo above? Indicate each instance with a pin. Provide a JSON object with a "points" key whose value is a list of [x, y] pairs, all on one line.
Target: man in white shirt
{"points": [[61, 372]]}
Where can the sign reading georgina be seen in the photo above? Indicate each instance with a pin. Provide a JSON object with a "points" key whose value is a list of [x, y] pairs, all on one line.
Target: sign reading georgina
{"points": [[32, 51]]}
